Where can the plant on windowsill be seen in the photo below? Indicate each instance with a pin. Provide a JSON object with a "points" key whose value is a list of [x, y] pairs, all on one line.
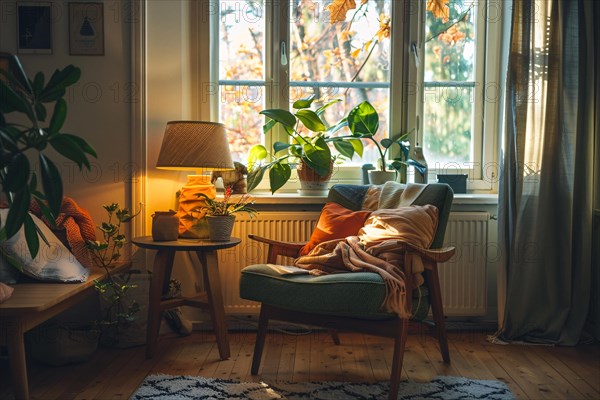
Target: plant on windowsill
{"points": [[119, 311], [363, 122], [309, 146], [220, 214]]}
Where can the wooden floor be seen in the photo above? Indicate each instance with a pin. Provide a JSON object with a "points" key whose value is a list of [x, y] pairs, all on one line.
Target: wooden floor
{"points": [[532, 372]]}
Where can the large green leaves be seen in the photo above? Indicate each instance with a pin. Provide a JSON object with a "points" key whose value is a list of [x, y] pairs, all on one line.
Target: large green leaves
{"points": [[284, 117], [52, 183], [317, 156], [279, 174], [363, 120], [311, 120]]}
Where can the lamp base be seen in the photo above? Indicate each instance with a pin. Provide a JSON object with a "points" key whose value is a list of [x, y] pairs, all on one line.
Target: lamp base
{"points": [[192, 224]]}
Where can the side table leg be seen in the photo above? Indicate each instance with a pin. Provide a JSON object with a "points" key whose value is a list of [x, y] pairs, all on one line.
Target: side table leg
{"points": [[163, 263], [16, 356], [212, 281]]}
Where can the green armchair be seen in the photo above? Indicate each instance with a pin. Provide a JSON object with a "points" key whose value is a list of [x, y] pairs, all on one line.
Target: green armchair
{"points": [[351, 301]]}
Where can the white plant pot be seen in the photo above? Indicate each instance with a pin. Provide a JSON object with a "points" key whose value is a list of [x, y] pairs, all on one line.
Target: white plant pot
{"points": [[377, 177]]}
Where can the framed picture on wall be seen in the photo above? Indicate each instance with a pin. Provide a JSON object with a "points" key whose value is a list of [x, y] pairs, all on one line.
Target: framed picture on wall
{"points": [[86, 29], [34, 27]]}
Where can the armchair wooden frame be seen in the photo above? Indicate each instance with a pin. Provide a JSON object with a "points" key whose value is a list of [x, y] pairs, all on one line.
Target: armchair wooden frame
{"points": [[396, 328]]}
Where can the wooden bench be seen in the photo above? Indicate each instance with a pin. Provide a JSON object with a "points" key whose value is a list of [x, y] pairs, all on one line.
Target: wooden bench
{"points": [[30, 305]]}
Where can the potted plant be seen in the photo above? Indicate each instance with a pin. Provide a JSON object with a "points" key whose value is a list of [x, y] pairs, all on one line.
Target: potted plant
{"points": [[309, 146], [220, 214], [363, 122], [119, 306], [40, 112]]}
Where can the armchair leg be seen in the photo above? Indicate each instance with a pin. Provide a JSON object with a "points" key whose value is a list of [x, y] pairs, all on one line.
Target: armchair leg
{"points": [[334, 336], [261, 335], [398, 359], [438, 311]]}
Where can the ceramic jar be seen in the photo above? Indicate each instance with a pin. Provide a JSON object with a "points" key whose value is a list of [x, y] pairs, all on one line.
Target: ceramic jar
{"points": [[165, 226]]}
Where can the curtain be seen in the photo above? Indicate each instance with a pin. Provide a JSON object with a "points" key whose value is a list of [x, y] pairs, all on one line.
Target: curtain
{"points": [[546, 181]]}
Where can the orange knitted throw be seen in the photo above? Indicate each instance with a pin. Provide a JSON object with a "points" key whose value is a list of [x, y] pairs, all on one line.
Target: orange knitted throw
{"points": [[74, 226]]}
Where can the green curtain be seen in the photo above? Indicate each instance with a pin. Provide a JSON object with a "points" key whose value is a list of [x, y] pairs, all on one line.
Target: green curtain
{"points": [[546, 185]]}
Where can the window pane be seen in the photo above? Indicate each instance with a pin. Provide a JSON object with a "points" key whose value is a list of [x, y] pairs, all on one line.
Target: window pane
{"points": [[241, 58], [447, 131], [450, 46], [239, 107], [241, 40], [355, 50]]}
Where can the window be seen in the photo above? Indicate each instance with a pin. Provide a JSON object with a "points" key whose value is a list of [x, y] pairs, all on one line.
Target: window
{"points": [[271, 53], [451, 75]]}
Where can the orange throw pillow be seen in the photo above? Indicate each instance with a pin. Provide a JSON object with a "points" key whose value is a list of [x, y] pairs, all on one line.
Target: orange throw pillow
{"points": [[335, 222]]}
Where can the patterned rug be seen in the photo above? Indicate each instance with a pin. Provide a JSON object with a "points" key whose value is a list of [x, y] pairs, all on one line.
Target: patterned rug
{"points": [[167, 387]]}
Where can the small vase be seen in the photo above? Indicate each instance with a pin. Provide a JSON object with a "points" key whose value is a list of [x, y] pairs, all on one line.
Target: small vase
{"points": [[220, 227], [377, 177], [165, 226]]}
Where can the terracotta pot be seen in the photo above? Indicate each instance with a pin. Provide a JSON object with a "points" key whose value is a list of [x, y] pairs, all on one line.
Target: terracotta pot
{"points": [[310, 180]]}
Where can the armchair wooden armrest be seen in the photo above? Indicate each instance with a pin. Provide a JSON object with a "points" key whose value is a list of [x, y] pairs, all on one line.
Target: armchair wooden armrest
{"points": [[436, 255], [278, 248]]}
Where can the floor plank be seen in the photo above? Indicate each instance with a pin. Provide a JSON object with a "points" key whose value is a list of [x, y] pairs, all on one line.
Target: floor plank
{"points": [[532, 372]]}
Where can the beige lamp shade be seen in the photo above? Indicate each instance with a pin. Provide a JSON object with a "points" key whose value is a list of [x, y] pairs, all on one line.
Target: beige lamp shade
{"points": [[195, 145]]}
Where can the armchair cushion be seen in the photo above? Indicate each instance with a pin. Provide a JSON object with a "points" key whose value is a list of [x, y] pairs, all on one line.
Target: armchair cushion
{"points": [[335, 222], [358, 294]]}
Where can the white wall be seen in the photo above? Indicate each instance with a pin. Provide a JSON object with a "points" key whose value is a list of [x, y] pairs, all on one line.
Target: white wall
{"points": [[99, 105]]}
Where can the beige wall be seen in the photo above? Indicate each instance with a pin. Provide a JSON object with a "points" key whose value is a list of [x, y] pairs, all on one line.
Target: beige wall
{"points": [[99, 105]]}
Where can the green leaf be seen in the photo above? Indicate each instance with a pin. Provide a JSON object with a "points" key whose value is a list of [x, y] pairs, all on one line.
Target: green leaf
{"points": [[284, 117], [358, 146], [17, 173], [52, 184], [17, 212], [318, 156], [40, 112], [341, 124], [13, 101], [66, 146], [311, 120], [304, 103], [18, 75], [344, 148], [386, 143], [33, 183], [257, 152], [83, 145], [418, 166], [58, 117], [31, 236], [279, 174], [279, 146], [38, 83], [363, 119], [269, 125], [55, 89], [255, 176], [46, 213], [325, 106]]}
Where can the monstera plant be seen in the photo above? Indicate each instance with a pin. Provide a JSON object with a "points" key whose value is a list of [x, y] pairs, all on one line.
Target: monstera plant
{"points": [[32, 115]]}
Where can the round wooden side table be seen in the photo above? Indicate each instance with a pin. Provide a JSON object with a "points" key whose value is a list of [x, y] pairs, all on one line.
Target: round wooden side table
{"points": [[211, 299]]}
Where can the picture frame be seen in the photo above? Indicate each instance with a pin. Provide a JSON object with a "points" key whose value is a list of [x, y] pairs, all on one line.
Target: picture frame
{"points": [[86, 29], [34, 27]]}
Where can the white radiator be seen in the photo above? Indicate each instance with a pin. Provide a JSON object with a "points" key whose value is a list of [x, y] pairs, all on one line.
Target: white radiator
{"points": [[463, 279]]}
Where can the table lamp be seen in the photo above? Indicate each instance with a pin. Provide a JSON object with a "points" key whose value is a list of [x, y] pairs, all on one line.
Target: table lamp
{"points": [[198, 146]]}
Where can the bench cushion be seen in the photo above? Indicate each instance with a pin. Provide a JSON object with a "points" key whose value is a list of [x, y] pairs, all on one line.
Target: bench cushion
{"points": [[356, 294]]}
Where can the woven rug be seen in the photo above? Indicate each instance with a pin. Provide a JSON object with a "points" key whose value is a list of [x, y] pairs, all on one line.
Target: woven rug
{"points": [[167, 387]]}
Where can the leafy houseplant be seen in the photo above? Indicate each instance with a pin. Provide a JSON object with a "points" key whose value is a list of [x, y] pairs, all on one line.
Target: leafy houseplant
{"points": [[363, 122], [32, 100], [119, 313], [220, 214], [310, 138]]}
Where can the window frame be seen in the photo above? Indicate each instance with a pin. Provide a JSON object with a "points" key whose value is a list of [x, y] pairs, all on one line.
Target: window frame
{"points": [[405, 96]]}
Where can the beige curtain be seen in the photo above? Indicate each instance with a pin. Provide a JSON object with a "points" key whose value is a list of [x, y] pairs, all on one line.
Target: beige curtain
{"points": [[546, 187]]}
